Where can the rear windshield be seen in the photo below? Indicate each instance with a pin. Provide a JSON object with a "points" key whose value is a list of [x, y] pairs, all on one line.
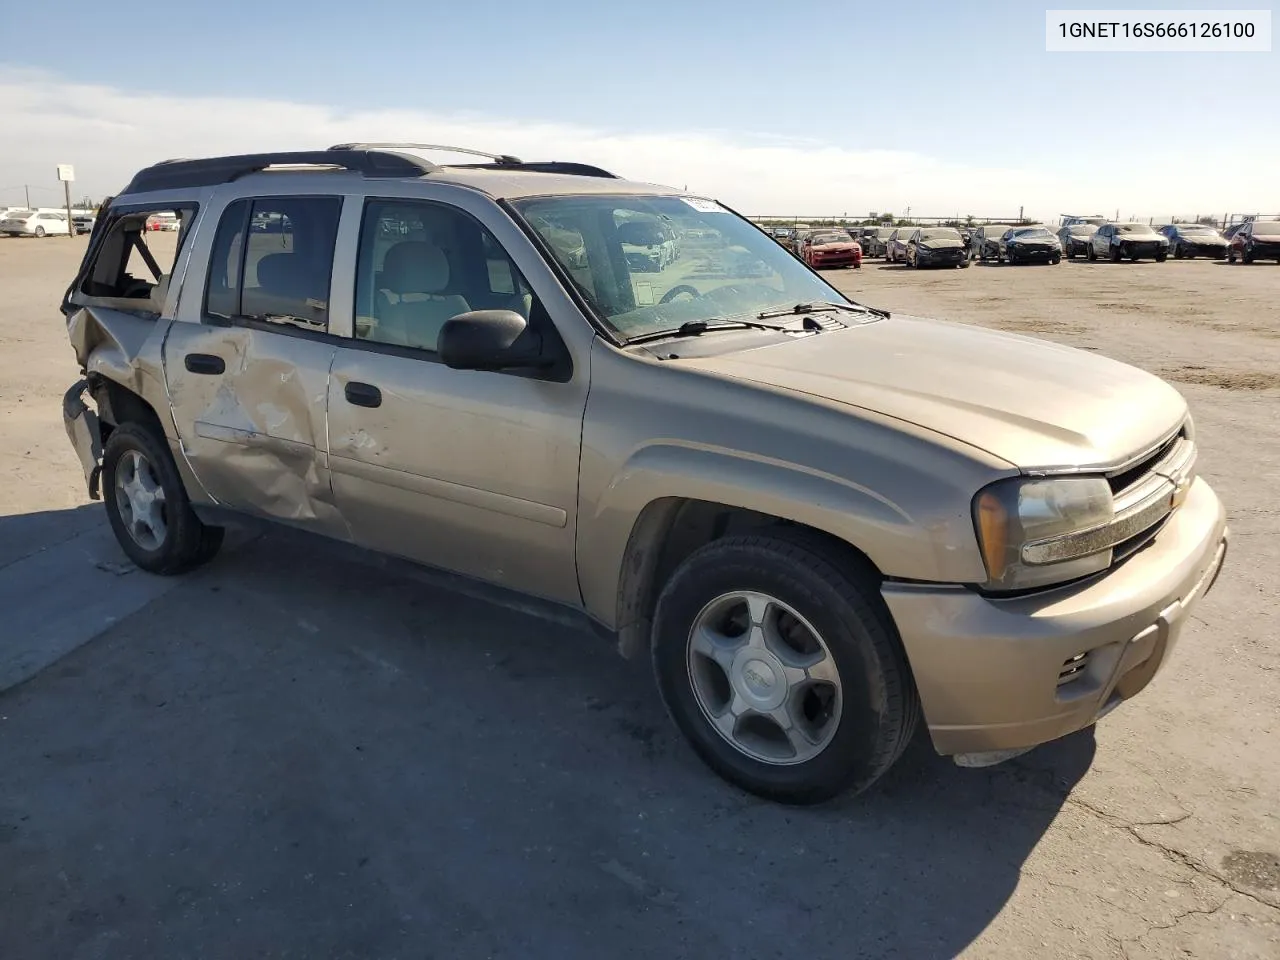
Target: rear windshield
{"points": [[19, 214], [1266, 228], [940, 233], [1133, 228]]}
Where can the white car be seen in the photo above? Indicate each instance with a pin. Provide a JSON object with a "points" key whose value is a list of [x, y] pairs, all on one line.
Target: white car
{"points": [[33, 223]]}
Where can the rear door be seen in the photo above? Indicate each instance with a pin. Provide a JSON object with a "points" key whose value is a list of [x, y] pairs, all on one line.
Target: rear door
{"points": [[247, 364], [472, 471]]}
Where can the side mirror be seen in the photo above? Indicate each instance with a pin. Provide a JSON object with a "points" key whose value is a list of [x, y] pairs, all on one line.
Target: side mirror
{"points": [[490, 340]]}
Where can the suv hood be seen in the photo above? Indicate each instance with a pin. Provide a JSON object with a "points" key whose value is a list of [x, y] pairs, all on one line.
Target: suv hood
{"points": [[1035, 404]]}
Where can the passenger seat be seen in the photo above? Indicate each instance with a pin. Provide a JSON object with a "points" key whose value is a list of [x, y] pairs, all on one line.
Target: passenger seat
{"points": [[418, 274]]}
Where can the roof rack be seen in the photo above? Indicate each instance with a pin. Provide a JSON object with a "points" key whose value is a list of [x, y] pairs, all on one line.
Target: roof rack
{"points": [[500, 161], [548, 166], [503, 158], [176, 174]]}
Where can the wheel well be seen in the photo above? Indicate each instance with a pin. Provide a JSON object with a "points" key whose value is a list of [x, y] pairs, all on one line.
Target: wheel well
{"points": [[118, 405], [669, 530]]}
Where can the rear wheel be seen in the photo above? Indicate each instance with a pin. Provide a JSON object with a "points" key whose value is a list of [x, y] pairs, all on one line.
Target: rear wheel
{"points": [[39, 232], [780, 664], [1091, 253], [148, 506]]}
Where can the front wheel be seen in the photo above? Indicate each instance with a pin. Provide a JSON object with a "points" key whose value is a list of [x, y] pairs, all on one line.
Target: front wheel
{"points": [[1115, 254], [39, 232], [780, 664], [1161, 257], [1246, 256], [147, 505]]}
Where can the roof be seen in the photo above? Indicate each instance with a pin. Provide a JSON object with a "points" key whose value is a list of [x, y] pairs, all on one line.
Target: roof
{"points": [[501, 177]]}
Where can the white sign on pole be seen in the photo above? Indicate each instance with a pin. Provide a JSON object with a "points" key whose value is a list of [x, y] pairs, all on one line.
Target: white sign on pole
{"points": [[66, 172]]}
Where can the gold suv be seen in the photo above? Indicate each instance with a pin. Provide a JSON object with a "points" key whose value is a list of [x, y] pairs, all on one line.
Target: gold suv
{"points": [[823, 523]]}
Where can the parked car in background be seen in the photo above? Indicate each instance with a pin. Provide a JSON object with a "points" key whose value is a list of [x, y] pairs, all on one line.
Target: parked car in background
{"points": [[877, 244], [648, 244], [34, 223], [170, 221], [864, 236], [1232, 229], [936, 247], [83, 223], [1068, 220], [1029, 245], [1074, 238], [820, 523], [1189, 240], [985, 244], [895, 248], [1118, 241], [783, 235], [831, 248], [1256, 240]]}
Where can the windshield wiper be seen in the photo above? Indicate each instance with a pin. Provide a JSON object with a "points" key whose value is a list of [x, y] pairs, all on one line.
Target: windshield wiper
{"points": [[694, 328], [816, 306]]}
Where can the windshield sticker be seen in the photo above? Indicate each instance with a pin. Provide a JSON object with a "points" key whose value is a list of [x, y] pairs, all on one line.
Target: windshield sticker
{"points": [[704, 206]]}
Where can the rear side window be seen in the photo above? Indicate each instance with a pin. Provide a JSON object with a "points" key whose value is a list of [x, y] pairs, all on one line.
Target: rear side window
{"points": [[272, 260], [132, 262]]}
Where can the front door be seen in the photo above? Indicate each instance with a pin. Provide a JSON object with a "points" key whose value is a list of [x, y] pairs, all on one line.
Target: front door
{"points": [[247, 374], [472, 471]]}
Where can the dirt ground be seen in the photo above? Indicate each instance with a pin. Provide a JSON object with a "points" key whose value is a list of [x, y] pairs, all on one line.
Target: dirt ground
{"points": [[291, 754]]}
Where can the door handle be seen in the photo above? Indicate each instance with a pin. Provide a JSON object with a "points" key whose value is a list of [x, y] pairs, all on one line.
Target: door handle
{"points": [[363, 394], [204, 363]]}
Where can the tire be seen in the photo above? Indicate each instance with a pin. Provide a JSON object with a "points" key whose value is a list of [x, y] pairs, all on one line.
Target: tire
{"points": [[964, 264], [1115, 254], [1162, 256], [134, 450], [1231, 256], [1071, 253], [1055, 260], [39, 232], [1246, 256], [878, 706], [1178, 253], [1091, 254]]}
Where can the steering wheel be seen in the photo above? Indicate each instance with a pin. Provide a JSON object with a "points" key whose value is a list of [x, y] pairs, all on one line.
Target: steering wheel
{"points": [[677, 291]]}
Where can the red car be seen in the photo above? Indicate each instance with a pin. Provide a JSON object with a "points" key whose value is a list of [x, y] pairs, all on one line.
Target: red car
{"points": [[834, 249]]}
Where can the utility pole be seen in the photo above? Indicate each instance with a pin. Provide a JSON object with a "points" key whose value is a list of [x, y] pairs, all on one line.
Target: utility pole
{"points": [[27, 190]]}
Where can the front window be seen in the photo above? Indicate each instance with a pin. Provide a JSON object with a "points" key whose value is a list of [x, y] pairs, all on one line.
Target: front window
{"points": [[649, 263]]}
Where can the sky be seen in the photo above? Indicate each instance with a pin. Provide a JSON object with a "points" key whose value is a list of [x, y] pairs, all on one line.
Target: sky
{"points": [[777, 108]]}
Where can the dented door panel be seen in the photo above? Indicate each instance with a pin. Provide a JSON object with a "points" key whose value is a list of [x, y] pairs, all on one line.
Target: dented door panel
{"points": [[253, 427]]}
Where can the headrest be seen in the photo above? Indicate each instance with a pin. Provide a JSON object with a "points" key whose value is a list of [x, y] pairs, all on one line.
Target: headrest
{"points": [[281, 273], [415, 267]]}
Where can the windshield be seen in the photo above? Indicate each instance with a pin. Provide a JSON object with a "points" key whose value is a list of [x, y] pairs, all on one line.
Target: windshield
{"points": [[831, 238], [884, 233], [1196, 229], [1033, 232], [1266, 228], [940, 233], [719, 267], [1081, 229], [1134, 228]]}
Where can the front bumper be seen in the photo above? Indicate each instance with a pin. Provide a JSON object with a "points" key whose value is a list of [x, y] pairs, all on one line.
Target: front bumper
{"points": [[1035, 254], [990, 672], [1142, 249], [1212, 250], [941, 258]]}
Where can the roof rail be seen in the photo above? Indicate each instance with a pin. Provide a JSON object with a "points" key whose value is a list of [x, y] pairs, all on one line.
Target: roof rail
{"points": [[548, 166], [503, 158], [176, 174]]}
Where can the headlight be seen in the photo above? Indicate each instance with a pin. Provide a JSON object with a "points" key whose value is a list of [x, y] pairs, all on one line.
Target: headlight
{"points": [[1038, 531]]}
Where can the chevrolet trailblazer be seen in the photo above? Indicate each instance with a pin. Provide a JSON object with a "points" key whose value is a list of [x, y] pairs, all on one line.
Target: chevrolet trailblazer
{"points": [[822, 523]]}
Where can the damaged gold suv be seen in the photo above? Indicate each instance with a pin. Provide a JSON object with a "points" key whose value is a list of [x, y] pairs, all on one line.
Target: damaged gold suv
{"points": [[823, 523]]}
